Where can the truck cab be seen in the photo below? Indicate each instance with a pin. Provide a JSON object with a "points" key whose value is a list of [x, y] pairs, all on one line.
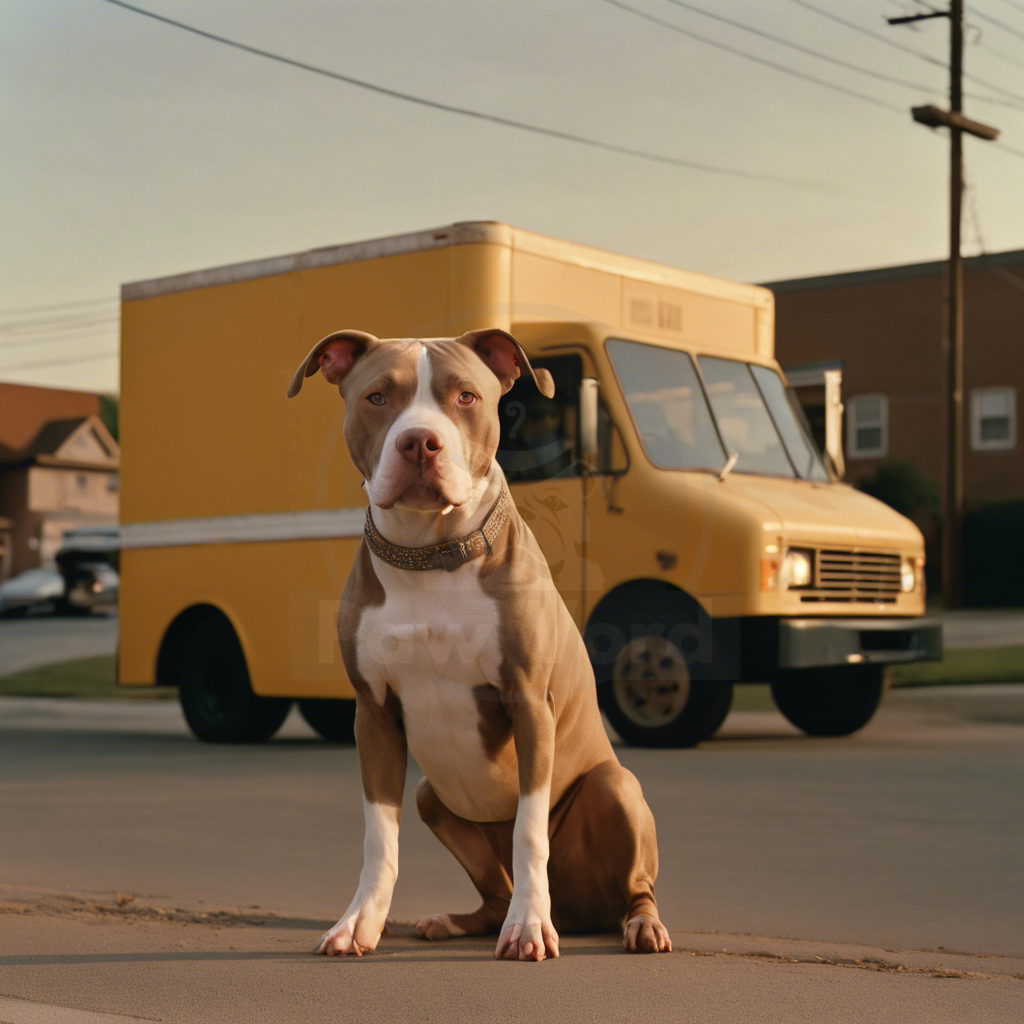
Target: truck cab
{"points": [[702, 540]]}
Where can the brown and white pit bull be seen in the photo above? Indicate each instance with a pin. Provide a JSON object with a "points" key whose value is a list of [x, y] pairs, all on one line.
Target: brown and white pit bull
{"points": [[461, 650]]}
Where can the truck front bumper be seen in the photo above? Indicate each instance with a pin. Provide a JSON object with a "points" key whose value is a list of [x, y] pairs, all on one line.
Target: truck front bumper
{"points": [[815, 643]]}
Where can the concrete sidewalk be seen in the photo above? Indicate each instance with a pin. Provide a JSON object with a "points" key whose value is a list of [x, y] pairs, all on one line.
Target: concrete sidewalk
{"points": [[126, 967], [970, 628], [46, 640]]}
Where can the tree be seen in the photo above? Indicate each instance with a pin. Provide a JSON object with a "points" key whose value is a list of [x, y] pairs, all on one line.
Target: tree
{"points": [[110, 406], [902, 486]]}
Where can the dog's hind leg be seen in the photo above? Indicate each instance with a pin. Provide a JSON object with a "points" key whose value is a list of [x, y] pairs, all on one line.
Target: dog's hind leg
{"points": [[476, 848], [604, 860]]}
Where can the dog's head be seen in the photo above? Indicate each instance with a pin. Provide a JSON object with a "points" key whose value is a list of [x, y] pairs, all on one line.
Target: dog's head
{"points": [[421, 414]]}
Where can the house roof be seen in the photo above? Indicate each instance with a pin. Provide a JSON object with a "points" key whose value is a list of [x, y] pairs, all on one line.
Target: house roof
{"points": [[80, 441], [906, 270], [25, 409], [51, 436]]}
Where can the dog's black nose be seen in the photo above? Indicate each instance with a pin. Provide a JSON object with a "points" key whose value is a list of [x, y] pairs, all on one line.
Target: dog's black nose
{"points": [[419, 444]]}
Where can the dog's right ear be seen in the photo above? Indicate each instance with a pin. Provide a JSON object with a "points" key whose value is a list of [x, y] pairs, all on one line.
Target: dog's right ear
{"points": [[333, 356]]}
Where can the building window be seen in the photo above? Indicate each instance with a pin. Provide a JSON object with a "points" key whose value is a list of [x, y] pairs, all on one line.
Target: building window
{"points": [[993, 418], [83, 482], [867, 427]]}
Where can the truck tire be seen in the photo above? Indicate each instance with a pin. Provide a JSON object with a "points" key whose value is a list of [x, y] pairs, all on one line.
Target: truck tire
{"points": [[334, 720], [645, 685], [833, 701], [214, 690]]}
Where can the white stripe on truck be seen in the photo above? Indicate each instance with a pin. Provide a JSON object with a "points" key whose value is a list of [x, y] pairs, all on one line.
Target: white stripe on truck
{"points": [[312, 524]]}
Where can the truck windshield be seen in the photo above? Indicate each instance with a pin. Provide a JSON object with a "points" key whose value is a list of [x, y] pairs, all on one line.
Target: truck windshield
{"points": [[668, 405], [750, 405]]}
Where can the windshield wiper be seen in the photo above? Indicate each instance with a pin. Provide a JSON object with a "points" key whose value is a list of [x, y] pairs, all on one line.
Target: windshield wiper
{"points": [[727, 468]]}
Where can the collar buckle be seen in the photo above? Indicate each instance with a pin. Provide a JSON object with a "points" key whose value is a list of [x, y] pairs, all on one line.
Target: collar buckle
{"points": [[452, 555]]}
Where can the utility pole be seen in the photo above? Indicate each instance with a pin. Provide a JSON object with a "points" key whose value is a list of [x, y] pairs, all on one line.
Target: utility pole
{"points": [[953, 119]]}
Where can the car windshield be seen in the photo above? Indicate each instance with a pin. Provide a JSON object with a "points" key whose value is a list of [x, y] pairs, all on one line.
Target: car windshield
{"points": [[750, 411]]}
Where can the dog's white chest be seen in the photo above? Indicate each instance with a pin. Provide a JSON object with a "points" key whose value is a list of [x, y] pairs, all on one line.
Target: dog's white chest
{"points": [[435, 641]]}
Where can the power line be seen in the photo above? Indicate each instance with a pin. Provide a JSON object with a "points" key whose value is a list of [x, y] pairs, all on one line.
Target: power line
{"points": [[56, 305], [467, 112], [899, 46], [881, 76], [873, 35], [60, 362], [1001, 56], [999, 24], [757, 60], [51, 325], [817, 54], [96, 330]]}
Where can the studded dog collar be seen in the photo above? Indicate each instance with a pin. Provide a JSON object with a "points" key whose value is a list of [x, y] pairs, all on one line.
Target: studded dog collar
{"points": [[449, 554]]}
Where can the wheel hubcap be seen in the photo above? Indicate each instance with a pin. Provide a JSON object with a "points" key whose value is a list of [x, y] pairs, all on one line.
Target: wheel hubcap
{"points": [[651, 681]]}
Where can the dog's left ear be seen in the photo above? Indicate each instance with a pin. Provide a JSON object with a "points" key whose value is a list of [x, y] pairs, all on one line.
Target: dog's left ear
{"points": [[334, 356], [504, 355]]}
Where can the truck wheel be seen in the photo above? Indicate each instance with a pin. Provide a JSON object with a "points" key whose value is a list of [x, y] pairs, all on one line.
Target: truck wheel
{"points": [[214, 690], [334, 720], [830, 701], [651, 700]]}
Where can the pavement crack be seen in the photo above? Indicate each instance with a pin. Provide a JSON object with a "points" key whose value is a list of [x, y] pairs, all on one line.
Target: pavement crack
{"points": [[868, 963]]}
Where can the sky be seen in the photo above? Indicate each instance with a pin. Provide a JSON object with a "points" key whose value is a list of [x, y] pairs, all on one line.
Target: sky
{"points": [[132, 149]]}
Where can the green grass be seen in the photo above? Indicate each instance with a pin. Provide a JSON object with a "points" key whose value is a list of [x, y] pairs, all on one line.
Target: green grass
{"points": [[82, 677], [981, 665]]}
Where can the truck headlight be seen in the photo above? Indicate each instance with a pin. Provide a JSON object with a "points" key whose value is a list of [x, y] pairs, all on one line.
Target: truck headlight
{"points": [[908, 574], [797, 568]]}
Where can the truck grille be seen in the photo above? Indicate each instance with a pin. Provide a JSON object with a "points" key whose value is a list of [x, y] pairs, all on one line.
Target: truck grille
{"points": [[868, 577]]}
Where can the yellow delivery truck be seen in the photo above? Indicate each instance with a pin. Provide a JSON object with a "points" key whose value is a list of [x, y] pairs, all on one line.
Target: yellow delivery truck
{"points": [[696, 533]]}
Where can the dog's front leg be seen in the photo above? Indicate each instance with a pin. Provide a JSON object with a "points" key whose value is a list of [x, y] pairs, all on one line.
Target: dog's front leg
{"points": [[528, 933], [382, 761]]}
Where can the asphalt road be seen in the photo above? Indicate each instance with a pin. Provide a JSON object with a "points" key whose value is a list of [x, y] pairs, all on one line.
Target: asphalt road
{"points": [[876, 877], [46, 639]]}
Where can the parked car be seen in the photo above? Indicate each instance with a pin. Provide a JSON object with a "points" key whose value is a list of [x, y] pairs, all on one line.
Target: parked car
{"points": [[90, 585], [34, 588]]}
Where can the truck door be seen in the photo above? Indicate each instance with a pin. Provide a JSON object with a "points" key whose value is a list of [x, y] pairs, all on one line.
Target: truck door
{"points": [[538, 452]]}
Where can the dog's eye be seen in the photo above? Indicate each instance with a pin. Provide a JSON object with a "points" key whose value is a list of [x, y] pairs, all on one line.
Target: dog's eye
{"points": [[467, 398], [376, 399]]}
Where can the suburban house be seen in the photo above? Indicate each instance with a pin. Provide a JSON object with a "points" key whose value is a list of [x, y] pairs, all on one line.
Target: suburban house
{"points": [[58, 471]]}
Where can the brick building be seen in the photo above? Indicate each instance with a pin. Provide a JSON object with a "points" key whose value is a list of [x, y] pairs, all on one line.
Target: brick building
{"points": [[886, 329]]}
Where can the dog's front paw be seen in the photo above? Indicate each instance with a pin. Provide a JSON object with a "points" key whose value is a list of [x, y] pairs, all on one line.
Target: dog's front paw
{"points": [[646, 934], [358, 932], [527, 933]]}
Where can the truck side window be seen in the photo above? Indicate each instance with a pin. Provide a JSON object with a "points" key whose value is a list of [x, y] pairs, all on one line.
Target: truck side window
{"points": [[538, 434]]}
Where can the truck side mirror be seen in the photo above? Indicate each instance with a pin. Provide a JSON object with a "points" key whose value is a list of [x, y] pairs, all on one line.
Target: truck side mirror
{"points": [[589, 452]]}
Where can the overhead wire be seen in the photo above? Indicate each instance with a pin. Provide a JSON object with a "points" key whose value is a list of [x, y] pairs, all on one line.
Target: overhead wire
{"points": [[817, 54], [905, 49], [971, 192], [60, 362], [56, 305], [469, 112], [884, 104], [975, 13], [880, 75], [53, 325]]}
